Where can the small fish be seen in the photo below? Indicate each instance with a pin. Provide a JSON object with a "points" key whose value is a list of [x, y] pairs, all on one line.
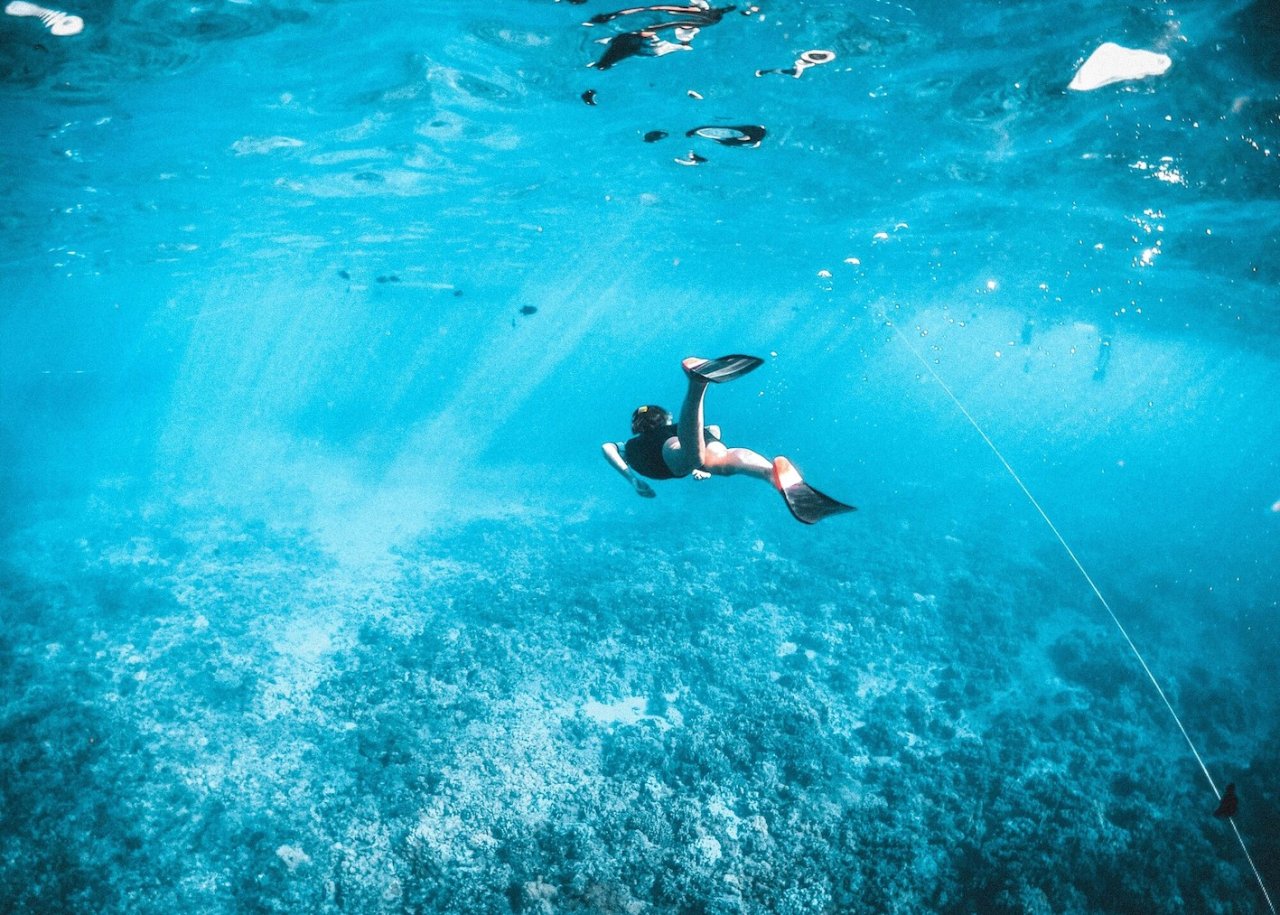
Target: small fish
{"points": [[389, 278], [589, 97], [344, 274], [654, 136], [529, 310], [1227, 807]]}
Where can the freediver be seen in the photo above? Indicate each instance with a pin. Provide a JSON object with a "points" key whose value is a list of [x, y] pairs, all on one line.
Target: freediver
{"points": [[661, 450]]}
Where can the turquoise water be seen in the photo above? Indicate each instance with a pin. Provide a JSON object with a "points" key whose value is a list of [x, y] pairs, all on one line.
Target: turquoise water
{"points": [[316, 594]]}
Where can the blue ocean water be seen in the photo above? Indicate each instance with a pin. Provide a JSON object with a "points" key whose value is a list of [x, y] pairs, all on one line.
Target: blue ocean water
{"points": [[316, 595]]}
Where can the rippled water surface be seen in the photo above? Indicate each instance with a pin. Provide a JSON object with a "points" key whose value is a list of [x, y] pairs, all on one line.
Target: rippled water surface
{"points": [[316, 595]]}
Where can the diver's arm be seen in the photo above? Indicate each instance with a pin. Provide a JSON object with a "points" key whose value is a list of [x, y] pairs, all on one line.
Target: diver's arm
{"points": [[614, 457]]}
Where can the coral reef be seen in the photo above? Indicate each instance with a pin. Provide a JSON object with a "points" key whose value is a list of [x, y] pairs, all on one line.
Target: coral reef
{"points": [[540, 716]]}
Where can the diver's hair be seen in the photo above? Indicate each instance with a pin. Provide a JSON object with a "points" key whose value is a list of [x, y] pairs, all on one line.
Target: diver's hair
{"points": [[649, 418]]}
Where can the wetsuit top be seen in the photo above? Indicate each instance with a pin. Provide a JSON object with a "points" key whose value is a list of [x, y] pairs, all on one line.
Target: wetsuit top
{"points": [[644, 452]]}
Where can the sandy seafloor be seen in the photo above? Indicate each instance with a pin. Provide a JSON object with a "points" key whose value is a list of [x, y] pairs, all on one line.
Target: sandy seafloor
{"points": [[315, 595]]}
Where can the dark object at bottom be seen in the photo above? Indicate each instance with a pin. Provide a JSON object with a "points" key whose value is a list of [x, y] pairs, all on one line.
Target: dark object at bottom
{"points": [[807, 504], [1228, 805], [726, 368]]}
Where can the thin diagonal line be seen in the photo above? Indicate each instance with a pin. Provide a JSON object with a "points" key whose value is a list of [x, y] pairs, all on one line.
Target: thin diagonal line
{"points": [[1096, 592]]}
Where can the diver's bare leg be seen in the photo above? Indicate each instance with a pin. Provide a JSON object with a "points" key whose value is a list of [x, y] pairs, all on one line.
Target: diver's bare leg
{"points": [[692, 449], [691, 452], [727, 462]]}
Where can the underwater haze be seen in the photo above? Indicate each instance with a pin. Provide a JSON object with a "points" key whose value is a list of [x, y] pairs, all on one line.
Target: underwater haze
{"points": [[316, 594]]}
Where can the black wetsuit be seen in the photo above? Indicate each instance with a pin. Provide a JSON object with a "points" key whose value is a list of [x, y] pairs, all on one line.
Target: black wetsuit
{"points": [[644, 452]]}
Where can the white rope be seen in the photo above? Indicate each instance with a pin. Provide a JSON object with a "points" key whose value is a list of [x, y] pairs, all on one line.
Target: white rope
{"points": [[1096, 592]]}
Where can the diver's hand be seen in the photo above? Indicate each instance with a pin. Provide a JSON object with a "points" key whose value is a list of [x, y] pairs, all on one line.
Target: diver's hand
{"points": [[701, 475], [644, 489]]}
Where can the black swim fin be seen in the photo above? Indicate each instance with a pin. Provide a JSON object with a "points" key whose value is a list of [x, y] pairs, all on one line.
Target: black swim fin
{"points": [[806, 503], [726, 368]]}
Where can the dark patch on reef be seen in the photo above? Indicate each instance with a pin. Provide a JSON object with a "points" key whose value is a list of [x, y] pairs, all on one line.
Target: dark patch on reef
{"points": [[1091, 661]]}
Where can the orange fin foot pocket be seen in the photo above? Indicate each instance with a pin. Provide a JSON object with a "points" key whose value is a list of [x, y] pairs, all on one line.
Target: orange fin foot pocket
{"points": [[804, 502]]}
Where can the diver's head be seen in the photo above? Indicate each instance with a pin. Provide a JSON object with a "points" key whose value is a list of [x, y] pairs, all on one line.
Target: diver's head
{"points": [[648, 418]]}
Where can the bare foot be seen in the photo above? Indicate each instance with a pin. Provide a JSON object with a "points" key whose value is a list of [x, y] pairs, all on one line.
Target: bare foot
{"points": [[785, 473]]}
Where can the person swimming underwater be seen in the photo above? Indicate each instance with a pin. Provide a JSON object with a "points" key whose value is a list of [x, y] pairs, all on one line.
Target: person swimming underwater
{"points": [[661, 450]]}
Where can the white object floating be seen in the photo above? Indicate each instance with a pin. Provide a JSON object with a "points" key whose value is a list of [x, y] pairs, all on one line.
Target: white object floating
{"points": [[1112, 63], [58, 22]]}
